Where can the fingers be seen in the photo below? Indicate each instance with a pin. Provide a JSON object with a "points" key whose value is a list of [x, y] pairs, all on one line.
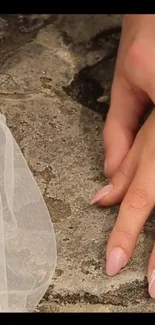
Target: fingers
{"points": [[134, 211], [114, 192], [122, 123]]}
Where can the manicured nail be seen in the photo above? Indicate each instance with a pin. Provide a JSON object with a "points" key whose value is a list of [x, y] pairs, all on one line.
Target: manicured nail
{"points": [[152, 285], [116, 260], [104, 191]]}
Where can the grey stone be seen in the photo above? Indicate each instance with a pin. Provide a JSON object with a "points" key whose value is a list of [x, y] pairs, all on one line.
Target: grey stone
{"points": [[62, 142]]}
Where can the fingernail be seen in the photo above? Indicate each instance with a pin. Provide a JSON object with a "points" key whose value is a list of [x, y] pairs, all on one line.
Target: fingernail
{"points": [[152, 285], [104, 191], [116, 260]]}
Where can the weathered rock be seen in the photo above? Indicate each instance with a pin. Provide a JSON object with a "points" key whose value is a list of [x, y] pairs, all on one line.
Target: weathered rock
{"points": [[62, 142]]}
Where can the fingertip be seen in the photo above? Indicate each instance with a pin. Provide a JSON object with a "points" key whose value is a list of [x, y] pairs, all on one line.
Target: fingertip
{"points": [[116, 261], [101, 193]]}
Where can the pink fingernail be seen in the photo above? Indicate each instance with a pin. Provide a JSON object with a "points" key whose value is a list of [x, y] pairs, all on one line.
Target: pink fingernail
{"points": [[152, 285], [116, 260], [104, 191]]}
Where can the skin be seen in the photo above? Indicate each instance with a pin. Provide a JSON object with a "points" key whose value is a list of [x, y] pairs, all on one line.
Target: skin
{"points": [[129, 147]]}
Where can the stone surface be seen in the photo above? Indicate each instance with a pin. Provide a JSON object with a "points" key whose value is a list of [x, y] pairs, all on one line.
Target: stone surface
{"points": [[62, 142]]}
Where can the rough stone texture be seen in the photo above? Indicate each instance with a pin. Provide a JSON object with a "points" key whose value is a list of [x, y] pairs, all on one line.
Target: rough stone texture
{"points": [[62, 142]]}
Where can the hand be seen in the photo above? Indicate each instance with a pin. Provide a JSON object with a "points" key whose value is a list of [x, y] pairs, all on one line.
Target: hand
{"points": [[130, 151], [133, 88], [134, 183]]}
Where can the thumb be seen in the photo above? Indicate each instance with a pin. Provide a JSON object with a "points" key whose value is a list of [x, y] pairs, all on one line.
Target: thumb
{"points": [[123, 121]]}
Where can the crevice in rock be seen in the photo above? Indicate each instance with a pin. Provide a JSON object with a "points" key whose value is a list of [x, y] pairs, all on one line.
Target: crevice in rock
{"points": [[130, 293]]}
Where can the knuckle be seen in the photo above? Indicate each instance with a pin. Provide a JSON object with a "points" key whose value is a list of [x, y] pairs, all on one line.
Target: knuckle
{"points": [[135, 63], [137, 200], [123, 233], [124, 237], [135, 54]]}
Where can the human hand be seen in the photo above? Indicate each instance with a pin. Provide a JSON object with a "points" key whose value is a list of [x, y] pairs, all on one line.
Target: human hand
{"points": [[130, 156], [134, 184], [133, 87]]}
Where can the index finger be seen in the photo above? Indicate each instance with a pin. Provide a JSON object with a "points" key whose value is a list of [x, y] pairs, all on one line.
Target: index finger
{"points": [[134, 211]]}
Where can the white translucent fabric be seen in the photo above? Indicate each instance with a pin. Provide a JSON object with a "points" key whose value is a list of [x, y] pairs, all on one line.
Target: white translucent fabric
{"points": [[27, 239]]}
